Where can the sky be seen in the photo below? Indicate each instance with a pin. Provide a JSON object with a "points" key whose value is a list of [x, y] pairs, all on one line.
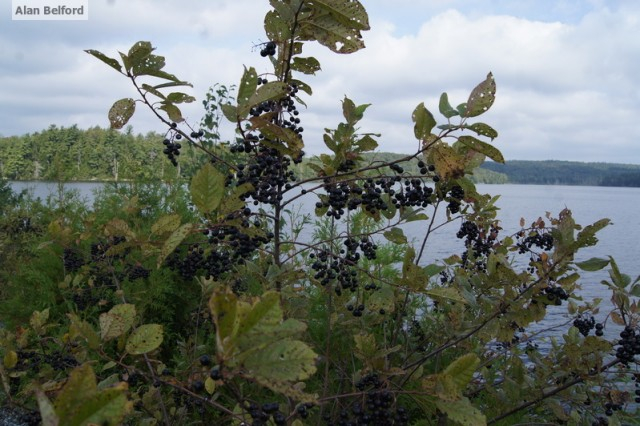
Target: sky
{"points": [[566, 70]]}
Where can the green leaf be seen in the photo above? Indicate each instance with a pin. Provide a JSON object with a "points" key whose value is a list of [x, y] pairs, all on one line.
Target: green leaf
{"points": [[446, 293], [144, 339], [350, 13], [284, 360], [383, 298], [179, 98], [173, 241], [366, 143], [461, 370], [10, 360], [230, 112], [593, 264], [462, 412], [85, 330], [166, 223], [207, 188], [247, 88], [481, 98], [121, 112], [80, 403], [153, 90], [172, 84], [117, 321], [482, 147], [172, 111], [396, 236], [138, 54], [482, 130], [308, 65], [336, 24], [586, 237], [271, 91], [113, 63], [445, 107], [424, 122]]}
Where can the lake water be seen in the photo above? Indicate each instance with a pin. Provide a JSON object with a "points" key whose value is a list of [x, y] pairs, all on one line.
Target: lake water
{"points": [[588, 204]]}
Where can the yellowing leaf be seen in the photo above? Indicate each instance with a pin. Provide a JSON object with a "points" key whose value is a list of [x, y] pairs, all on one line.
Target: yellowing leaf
{"points": [[164, 224], [462, 412], [121, 112], [210, 385], [481, 98], [461, 370], [10, 359], [144, 339], [117, 321]]}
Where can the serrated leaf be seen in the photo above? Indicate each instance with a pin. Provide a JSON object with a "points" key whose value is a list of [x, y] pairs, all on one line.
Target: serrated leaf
{"points": [[10, 359], [83, 329], [593, 264], [284, 360], [173, 112], [396, 236], [173, 241], [113, 63], [207, 188], [445, 107], [462, 412], [80, 403], [482, 147], [144, 339], [424, 122], [117, 321], [308, 65], [481, 98], [461, 370], [482, 129], [164, 224], [120, 113]]}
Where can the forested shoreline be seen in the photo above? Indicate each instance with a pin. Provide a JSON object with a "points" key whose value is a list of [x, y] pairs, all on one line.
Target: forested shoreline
{"points": [[98, 154]]}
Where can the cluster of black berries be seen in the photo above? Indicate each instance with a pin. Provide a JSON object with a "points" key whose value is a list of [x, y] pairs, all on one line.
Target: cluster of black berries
{"points": [[100, 250], [628, 345], [343, 196], [356, 311], [72, 260], [138, 271], [262, 414], [610, 407], [269, 49], [424, 169], [198, 134], [171, 150], [478, 241], [84, 298], [376, 407], [556, 294], [32, 361], [456, 194], [268, 173], [330, 268], [228, 246], [585, 324], [541, 240], [414, 193]]}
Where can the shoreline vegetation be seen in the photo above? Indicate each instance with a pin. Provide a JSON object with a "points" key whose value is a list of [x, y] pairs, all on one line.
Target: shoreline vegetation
{"points": [[71, 154]]}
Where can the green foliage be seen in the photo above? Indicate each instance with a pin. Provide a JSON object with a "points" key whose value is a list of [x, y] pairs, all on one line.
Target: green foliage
{"points": [[216, 303]]}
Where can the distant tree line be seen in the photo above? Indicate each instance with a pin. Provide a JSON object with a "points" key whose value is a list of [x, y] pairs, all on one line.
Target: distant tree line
{"points": [[73, 154], [553, 172]]}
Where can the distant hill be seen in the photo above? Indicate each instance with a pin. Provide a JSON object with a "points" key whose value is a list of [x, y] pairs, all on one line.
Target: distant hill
{"points": [[552, 172]]}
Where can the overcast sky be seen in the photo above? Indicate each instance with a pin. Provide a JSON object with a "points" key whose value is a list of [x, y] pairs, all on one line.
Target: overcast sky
{"points": [[566, 70]]}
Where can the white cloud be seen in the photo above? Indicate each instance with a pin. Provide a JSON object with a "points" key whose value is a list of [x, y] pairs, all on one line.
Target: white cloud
{"points": [[566, 72]]}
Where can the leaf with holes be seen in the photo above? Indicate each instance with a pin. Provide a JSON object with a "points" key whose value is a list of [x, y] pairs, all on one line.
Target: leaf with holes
{"points": [[482, 130], [396, 236], [284, 360], [121, 112], [424, 122], [117, 321], [113, 63], [144, 339], [482, 147], [308, 65], [481, 98], [180, 98]]}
